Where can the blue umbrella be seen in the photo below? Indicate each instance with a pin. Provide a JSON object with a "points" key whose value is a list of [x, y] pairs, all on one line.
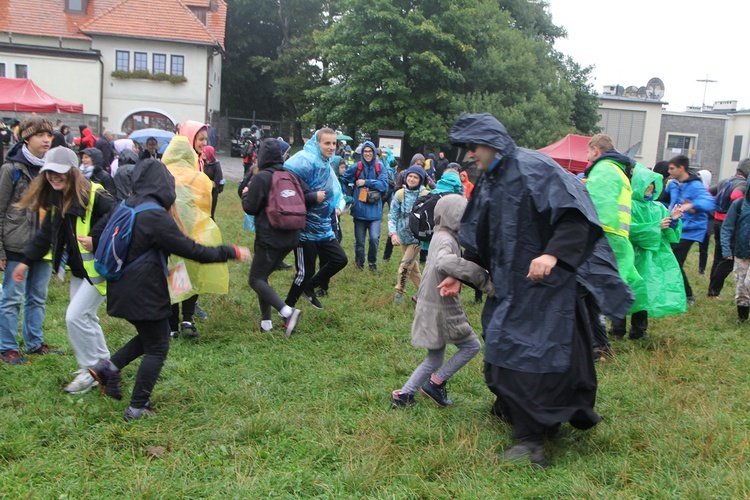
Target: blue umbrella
{"points": [[143, 134]]}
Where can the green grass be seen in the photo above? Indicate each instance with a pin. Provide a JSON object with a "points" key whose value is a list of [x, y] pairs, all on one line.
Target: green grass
{"points": [[243, 414]]}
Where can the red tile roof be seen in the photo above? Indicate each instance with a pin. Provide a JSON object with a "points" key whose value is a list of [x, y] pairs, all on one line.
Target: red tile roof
{"points": [[154, 19]]}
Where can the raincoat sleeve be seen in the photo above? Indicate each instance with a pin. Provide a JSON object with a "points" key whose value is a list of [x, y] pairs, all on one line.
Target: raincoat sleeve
{"points": [[645, 231], [381, 183], [604, 186], [727, 229]]}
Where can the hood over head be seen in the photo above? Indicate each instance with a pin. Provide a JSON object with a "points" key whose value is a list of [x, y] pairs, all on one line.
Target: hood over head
{"points": [[210, 153], [464, 176], [415, 169], [127, 157], [335, 161], [180, 153], [706, 177], [744, 167], [123, 144], [449, 182], [662, 168], [97, 157], [641, 179], [269, 154], [482, 129], [374, 152], [417, 157], [448, 212], [151, 179], [190, 128], [284, 146]]}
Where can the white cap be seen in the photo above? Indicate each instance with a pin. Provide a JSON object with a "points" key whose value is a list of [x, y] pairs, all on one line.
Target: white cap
{"points": [[60, 160]]}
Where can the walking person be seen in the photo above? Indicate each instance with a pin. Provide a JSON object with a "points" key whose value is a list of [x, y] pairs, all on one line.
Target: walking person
{"points": [[370, 179], [74, 207], [312, 166], [212, 168], [440, 319], [17, 225], [271, 245], [141, 295]]}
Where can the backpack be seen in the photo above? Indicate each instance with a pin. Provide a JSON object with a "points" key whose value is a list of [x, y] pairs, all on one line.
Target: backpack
{"points": [[112, 251], [286, 203], [422, 216], [724, 195]]}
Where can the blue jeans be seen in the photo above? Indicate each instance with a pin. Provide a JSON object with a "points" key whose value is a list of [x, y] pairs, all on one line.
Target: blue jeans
{"points": [[360, 227], [33, 294]]}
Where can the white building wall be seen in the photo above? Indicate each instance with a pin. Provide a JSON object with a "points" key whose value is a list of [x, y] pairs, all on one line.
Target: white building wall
{"points": [[650, 142], [72, 79], [738, 125], [178, 101], [214, 84]]}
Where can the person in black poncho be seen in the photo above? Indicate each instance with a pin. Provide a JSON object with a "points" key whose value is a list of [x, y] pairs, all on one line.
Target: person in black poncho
{"points": [[533, 226]]}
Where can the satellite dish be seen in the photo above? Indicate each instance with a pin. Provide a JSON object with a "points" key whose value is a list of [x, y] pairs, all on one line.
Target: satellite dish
{"points": [[655, 89], [642, 94], [631, 91]]}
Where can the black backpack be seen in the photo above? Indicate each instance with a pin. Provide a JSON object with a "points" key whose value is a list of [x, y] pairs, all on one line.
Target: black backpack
{"points": [[422, 216], [724, 194]]}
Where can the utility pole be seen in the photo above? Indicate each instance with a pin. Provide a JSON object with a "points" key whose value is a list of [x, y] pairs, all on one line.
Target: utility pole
{"points": [[705, 81]]}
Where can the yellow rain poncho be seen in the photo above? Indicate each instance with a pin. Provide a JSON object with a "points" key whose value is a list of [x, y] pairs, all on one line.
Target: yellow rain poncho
{"points": [[194, 207]]}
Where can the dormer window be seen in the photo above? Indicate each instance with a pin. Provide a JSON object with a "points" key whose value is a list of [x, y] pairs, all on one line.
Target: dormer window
{"points": [[77, 6], [200, 13]]}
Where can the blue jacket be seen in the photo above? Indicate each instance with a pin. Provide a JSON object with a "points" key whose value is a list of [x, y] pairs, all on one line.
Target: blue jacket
{"points": [[694, 223], [360, 209], [735, 230], [310, 166]]}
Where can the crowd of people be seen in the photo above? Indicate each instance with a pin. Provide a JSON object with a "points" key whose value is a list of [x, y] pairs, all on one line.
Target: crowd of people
{"points": [[554, 254]]}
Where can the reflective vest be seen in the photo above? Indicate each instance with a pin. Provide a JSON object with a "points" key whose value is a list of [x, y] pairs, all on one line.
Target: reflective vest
{"points": [[624, 203], [83, 228]]}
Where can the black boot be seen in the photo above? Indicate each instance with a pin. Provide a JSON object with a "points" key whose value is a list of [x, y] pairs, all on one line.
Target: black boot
{"points": [[526, 449], [742, 314], [437, 393]]}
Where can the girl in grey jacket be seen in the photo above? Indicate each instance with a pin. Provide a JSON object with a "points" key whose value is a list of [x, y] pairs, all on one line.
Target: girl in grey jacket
{"points": [[441, 320]]}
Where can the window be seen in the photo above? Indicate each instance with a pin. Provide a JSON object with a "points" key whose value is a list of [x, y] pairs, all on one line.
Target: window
{"points": [[122, 60], [2, 69], [77, 5], [623, 126], [147, 119], [680, 141], [178, 65], [22, 71], [737, 148], [160, 63], [140, 61]]}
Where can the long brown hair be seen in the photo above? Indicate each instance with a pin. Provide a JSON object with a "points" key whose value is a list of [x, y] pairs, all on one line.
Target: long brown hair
{"points": [[41, 193]]}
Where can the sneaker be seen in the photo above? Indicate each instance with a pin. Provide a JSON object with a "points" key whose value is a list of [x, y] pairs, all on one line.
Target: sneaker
{"points": [[82, 384], [136, 413], [359, 266], [398, 298], [691, 301], [437, 393], [373, 268], [108, 378], [603, 354], [13, 357], [321, 292], [291, 322], [526, 450], [200, 313], [401, 400], [45, 349], [313, 299], [284, 267], [174, 334], [188, 330]]}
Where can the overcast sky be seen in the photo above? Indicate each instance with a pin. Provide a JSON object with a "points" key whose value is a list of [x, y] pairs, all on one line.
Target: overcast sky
{"points": [[677, 41]]}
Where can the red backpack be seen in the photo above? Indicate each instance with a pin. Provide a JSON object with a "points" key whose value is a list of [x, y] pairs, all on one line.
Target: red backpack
{"points": [[286, 203]]}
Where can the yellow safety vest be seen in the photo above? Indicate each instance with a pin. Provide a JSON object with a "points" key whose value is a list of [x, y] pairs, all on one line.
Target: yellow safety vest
{"points": [[624, 203], [83, 228]]}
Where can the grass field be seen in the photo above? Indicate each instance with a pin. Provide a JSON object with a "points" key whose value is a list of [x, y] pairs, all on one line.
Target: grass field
{"points": [[243, 414]]}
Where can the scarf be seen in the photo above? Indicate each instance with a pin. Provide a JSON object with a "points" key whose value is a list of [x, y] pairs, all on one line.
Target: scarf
{"points": [[33, 160]]}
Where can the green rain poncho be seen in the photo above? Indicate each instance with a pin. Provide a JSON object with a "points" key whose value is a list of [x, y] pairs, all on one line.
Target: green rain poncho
{"points": [[661, 293]]}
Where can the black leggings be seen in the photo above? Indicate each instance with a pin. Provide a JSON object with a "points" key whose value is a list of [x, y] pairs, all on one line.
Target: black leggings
{"points": [[188, 310], [151, 342], [265, 261]]}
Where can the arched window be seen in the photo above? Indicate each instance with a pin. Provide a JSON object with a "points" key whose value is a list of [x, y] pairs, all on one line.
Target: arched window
{"points": [[146, 119]]}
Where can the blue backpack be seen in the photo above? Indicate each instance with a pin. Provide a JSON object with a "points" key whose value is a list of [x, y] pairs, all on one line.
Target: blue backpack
{"points": [[112, 251]]}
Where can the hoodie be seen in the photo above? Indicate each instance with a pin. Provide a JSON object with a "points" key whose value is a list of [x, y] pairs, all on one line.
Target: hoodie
{"points": [[695, 221], [190, 129], [468, 186], [124, 174], [362, 210], [99, 174]]}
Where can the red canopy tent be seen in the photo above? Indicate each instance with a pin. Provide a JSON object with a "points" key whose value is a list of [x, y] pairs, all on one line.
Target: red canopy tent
{"points": [[20, 94], [571, 152]]}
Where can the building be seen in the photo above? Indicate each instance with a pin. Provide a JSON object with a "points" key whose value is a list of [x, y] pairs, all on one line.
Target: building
{"points": [[133, 63]]}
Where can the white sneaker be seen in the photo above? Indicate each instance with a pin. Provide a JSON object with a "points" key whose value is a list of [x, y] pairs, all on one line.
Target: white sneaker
{"points": [[83, 383]]}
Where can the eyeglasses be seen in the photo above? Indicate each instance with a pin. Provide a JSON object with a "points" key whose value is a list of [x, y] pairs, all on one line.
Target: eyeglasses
{"points": [[471, 147]]}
